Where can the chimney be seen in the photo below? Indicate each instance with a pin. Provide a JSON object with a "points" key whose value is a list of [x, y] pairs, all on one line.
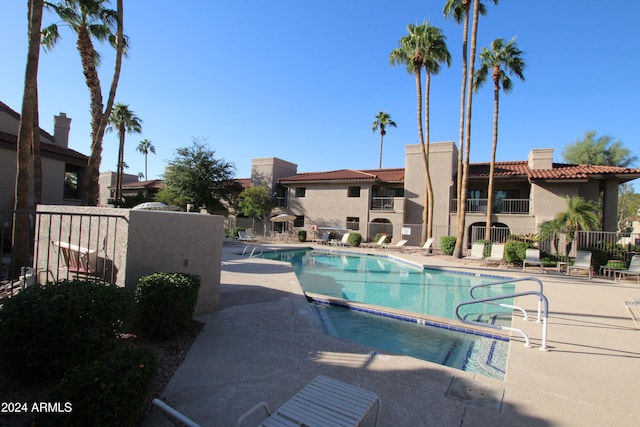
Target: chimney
{"points": [[61, 127], [541, 158]]}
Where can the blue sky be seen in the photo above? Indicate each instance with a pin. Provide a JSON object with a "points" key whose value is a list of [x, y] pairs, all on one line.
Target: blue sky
{"points": [[303, 80]]}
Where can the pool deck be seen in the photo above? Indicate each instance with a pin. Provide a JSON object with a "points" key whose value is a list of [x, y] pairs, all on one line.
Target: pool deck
{"points": [[264, 344]]}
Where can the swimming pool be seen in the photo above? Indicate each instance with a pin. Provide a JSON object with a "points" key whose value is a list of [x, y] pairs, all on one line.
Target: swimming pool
{"points": [[384, 283]]}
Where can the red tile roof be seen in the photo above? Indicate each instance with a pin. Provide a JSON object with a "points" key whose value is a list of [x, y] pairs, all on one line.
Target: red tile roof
{"points": [[385, 175], [45, 148], [560, 171]]}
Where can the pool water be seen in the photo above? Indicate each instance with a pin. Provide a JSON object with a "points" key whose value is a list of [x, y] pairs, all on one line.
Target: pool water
{"points": [[385, 282]]}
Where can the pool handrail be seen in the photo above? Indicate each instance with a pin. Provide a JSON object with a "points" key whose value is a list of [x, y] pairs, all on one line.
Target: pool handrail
{"points": [[253, 250], [502, 282], [542, 298]]}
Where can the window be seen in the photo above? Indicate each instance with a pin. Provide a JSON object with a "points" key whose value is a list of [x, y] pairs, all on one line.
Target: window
{"points": [[299, 221], [354, 192], [70, 183], [353, 223], [301, 191]]}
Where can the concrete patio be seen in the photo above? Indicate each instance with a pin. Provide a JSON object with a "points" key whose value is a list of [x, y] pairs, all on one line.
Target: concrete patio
{"points": [[264, 344]]}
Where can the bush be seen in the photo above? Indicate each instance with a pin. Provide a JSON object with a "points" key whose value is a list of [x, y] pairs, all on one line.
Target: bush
{"points": [[486, 252], [354, 239], [233, 232], [448, 244], [44, 330], [165, 303], [302, 235], [109, 391], [515, 252], [379, 236]]}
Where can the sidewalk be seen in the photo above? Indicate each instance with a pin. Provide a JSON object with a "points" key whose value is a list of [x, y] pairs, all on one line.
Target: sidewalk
{"points": [[264, 345]]}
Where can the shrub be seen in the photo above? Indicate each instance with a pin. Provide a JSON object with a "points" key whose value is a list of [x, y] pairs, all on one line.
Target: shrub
{"points": [[302, 235], [487, 247], [515, 252], [448, 244], [165, 303], [379, 236], [354, 239], [44, 330], [109, 391]]}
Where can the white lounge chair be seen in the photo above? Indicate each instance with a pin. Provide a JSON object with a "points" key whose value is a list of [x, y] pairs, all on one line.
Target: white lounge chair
{"points": [[633, 270], [582, 262], [244, 236], [324, 238], [323, 402], [633, 308], [343, 242], [426, 247], [497, 254], [477, 253], [399, 246], [377, 244], [532, 257]]}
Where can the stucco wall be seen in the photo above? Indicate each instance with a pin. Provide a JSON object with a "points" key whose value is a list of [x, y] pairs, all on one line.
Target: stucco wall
{"points": [[142, 242]]}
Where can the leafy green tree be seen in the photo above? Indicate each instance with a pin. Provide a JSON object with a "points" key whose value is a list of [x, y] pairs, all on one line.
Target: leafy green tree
{"points": [[145, 147], [628, 207], [424, 46], [124, 121], [581, 214], [255, 201], [383, 120], [91, 19], [601, 150], [501, 59], [196, 176]]}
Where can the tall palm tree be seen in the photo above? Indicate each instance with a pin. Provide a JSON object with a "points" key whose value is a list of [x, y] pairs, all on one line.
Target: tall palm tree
{"points": [[28, 131], [145, 147], [91, 19], [502, 59], [124, 121], [382, 121], [424, 46], [478, 9]]}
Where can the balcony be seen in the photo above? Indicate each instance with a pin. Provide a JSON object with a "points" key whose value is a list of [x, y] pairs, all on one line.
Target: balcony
{"points": [[503, 206], [382, 204]]}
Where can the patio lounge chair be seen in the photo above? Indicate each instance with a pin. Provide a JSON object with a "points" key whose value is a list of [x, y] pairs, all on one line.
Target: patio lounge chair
{"points": [[343, 242], [399, 246], [377, 244], [323, 402], [244, 236], [324, 238], [426, 247], [477, 253], [532, 257], [633, 308], [633, 270], [582, 262], [497, 254]]}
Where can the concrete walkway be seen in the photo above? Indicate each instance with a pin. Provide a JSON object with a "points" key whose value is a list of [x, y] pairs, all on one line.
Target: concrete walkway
{"points": [[264, 345]]}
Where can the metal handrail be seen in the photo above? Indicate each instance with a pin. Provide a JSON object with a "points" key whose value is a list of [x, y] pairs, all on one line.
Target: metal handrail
{"points": [[502, 282], [542, 299], [253, 250]]}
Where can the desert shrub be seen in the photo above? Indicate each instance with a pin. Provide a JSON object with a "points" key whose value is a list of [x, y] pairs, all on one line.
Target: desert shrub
{"points": [[302, 235], [109, 391], [515, 252], [599, 257], [448, 244], [165, 303], [46, 329], [354, 239]]}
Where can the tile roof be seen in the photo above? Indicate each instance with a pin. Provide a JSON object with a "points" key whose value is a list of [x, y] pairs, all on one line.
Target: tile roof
{"points": [[46, 148], [560, 171], [386, 175], [152, 183]]}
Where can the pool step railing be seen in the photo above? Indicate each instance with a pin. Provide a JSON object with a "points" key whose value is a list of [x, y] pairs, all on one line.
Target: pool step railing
{"points": [[543, 309], [253, 250]]}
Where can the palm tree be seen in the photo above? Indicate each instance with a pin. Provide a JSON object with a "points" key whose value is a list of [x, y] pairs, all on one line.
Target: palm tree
{"points": [[145, 147], [424, 46], [124, 121], [502, 59], [478, 9], [382, 121], [581, 214], [91, 19], [28, 131]]}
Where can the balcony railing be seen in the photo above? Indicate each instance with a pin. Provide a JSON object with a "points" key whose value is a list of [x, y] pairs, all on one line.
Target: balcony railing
{"points": [[382, 203], [503, 206]]}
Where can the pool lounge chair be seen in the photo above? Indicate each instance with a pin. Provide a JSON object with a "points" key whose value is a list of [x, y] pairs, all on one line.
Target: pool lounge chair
{"points": [[633, 308], [477, 253], [399, 246], [497, 254], [633, 270], [582, 262], [323, 402], [377, 244], [243, 236], [343, 242], [426, 247], [532, 257]]}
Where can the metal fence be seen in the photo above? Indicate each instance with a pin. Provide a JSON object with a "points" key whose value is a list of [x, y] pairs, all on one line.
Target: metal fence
{"points": [[63, 246]]}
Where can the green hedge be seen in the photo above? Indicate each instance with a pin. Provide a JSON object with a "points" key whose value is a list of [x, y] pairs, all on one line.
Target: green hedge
{"points": [[302, 235], [354, 239], [448, 244], [44, 330], [515, 252], [109, 391], [165, 303]]}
